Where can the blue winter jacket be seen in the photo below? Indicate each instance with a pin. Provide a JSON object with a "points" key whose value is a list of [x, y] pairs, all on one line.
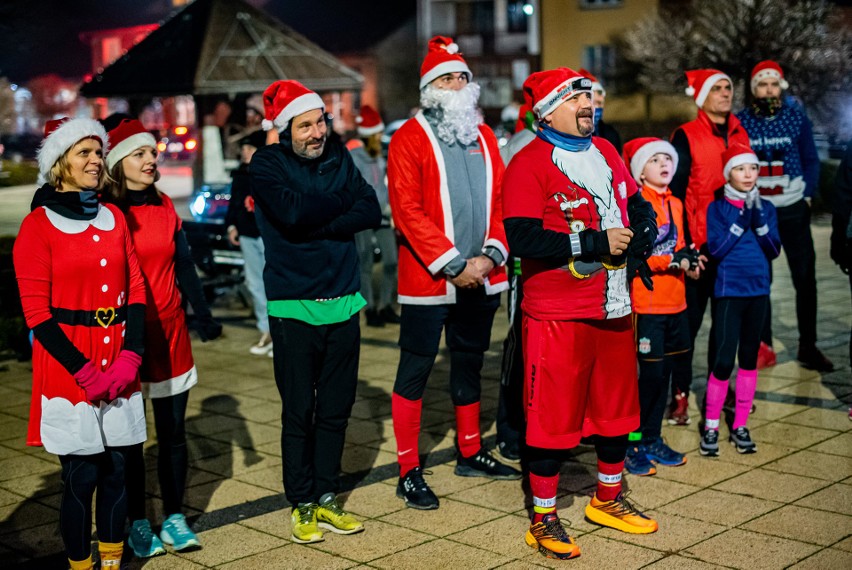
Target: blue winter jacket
{"points": [[742, 241]]}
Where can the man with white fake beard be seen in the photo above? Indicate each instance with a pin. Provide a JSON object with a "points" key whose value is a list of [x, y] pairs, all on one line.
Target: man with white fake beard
{"points": [[574, 216], [444, 179]]}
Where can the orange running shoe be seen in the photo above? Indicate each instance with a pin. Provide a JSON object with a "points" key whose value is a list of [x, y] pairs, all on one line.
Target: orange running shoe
{"points": [[620, 515], [550, 538]]}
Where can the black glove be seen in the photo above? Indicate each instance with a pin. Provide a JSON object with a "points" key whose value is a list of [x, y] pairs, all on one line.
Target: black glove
{"points": [[686, 253], [644, 236], [208, 328], [637, 265]]}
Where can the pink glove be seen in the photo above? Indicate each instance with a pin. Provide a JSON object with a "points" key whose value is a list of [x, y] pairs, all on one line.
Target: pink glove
{"points": [[95, 382], [123, 372]]}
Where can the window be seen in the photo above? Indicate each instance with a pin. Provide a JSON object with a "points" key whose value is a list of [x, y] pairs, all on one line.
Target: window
{"points": [[600, 61], [602, 4], [516, 16], [475, 17]]}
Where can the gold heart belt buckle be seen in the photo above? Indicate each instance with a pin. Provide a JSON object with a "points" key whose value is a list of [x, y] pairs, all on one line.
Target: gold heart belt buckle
{"points": [[105, 316]]}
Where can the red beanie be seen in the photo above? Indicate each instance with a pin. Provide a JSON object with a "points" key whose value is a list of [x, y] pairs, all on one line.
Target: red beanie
{"points": [[549, 89], [369, 121], [127, 137], [443, 57], [284, 100], [765, 69], [736, 155], [639, 151], [701, 81]]}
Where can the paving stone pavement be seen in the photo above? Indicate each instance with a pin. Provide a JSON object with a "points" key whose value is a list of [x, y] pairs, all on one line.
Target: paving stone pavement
{"points": [[789, 505]]}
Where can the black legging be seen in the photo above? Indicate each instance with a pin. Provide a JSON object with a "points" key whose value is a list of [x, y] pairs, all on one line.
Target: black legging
{"points": [[81, 476], [738, 320], [545, 462], [172, 458]]}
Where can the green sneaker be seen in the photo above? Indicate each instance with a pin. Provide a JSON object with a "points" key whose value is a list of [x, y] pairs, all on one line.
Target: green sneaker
{"points": [[332, 517], [304, 523]]}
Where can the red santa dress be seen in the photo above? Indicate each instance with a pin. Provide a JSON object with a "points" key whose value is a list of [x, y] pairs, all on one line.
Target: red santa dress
{"points": [[79, 265], [167, 365]]}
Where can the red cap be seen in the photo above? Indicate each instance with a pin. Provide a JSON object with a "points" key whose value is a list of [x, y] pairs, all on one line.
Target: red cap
{"points": [[549, 89], [442, 57], [127, 137], [736, 155], [369, 121], [284, 100], [639, 151], [765, 69], [701, 81]]}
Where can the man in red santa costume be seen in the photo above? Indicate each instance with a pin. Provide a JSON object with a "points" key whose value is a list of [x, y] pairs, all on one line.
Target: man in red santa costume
{"points": [[444, 179], [574, 217]]}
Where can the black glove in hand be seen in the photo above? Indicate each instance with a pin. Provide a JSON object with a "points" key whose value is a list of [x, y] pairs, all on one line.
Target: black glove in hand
{"points": [[686, 253], [644, 236], [638, 265], [208, 328]]}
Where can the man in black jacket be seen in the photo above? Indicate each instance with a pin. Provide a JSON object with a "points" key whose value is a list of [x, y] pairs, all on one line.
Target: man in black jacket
{"points": [[310, 201]]}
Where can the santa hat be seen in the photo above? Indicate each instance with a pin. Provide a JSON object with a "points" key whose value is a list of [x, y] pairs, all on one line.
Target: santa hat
{"points": [[701, 81], [284, 100], [766, 69], [369, 121], [62, 134], [442, 57], [596, 85], [639, 151], [737, 154], [522, 122], [549, 89], [127, 137]]}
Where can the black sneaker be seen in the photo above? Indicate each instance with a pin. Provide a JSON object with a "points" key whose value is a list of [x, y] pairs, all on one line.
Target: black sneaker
{"points": [[412, 489], [388, 315], [374, 319], [510, 452], [741, 439], [709, 444], [812, 358], [484, 465]]}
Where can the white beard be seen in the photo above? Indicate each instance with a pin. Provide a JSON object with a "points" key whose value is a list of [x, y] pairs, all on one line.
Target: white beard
{"points": [[589, 170], [457, 112]]}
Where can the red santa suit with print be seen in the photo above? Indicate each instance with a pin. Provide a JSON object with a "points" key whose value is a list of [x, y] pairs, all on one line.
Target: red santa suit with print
{"points": [[84, 265], [420, 203], [580, 376], [167, 365]]}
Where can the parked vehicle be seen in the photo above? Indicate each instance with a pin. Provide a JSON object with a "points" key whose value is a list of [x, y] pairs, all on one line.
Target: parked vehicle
{"points": [[179, 143]]}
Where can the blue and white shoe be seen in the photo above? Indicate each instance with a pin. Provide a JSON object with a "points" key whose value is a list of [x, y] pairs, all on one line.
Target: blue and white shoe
{"points": [[143, 541], [637, 463], [656, 450], [177, 533]]}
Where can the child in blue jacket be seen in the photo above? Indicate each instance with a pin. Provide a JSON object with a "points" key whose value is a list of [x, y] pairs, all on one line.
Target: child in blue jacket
{"points": [[742, 236]]}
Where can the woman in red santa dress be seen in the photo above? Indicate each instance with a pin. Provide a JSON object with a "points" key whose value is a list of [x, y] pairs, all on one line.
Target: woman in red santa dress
{"points": [[168, 370], [83, 297]]}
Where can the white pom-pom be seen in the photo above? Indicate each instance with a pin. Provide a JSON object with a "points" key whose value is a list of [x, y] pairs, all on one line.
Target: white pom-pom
{"points": [[267, 125], [359, 119], [783, 83], [453, 48], [690, 91]]}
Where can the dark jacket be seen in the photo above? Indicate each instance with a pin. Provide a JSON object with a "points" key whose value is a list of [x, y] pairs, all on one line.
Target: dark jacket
{"points": [[238, 215], [308, 212]]}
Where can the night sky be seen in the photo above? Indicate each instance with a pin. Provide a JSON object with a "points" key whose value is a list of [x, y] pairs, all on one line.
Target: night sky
{"points": [[42, 36]]}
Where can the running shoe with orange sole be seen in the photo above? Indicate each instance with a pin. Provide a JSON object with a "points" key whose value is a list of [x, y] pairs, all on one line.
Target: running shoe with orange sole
{"points": [[621, 515], [550, 538]]}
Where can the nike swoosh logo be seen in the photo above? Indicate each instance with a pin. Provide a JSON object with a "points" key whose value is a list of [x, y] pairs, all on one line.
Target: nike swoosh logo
{"points": [[471, 436], [401, 453]]}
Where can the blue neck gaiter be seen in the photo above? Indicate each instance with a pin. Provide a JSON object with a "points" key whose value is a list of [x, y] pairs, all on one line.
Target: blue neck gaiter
{"points": [[598, 116], [563, 140]]}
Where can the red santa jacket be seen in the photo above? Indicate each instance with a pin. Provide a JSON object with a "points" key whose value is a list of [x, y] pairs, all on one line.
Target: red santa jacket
{"points": [[706, 149], [422, 211]]}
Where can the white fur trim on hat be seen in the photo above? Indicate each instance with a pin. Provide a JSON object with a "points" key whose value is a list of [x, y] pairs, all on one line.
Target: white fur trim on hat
{"points": [[63, 138], [128, 145], [766, 73], [451, 66], [644, 154], [740, 159], [707, 86], [560, 94], [367, 131], [301, 104]]}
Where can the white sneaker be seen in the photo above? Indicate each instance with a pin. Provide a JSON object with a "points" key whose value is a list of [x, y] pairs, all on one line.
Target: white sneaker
{"points": [[263, 346]]}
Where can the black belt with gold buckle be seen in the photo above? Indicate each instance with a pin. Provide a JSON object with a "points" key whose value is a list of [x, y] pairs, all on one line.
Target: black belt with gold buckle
{"points": [[101, 317]]}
